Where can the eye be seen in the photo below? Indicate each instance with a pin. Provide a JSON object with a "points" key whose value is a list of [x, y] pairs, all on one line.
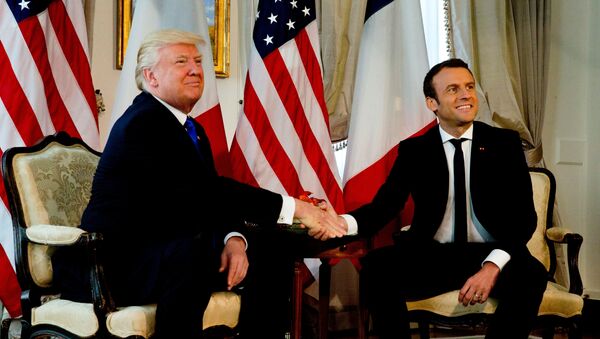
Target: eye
{"points": [[470, 87], [451, 90]]}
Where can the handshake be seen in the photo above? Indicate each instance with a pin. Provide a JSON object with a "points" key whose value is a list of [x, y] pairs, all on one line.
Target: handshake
{"points": [[319, 217]]}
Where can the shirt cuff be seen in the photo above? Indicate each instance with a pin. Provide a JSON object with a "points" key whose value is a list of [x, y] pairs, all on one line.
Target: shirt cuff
{"points": [[352, 224], [498, 257], [288, 208], [235, 234]]}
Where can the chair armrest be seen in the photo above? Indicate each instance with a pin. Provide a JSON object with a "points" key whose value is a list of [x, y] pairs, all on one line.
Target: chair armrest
{"points": [[57, 235], [558, 234], [573, 240], [54, 235]]}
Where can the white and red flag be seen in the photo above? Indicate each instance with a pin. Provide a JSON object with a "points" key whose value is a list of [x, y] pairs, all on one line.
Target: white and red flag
{"points": [[388, 104], [189, 15], [46, 87], [282, 141]]}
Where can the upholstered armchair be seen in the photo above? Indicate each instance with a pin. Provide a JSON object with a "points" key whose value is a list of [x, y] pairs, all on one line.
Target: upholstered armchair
{"points": [[561, 306], [49, 186]]}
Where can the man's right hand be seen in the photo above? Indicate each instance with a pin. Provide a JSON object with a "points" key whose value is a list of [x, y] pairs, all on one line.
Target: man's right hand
{"points": [[322, 221]]}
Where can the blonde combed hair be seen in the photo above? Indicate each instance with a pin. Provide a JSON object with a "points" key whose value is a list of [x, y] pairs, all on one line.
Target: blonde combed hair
{"points": [[147, 55]]}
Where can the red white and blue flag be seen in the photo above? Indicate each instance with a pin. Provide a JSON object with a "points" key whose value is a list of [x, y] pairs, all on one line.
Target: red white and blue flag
{"points": [[282, 142], [46, 87], [388, 104]]}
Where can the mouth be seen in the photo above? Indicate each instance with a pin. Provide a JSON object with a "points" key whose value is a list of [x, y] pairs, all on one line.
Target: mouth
{"points": [[464, 108]]}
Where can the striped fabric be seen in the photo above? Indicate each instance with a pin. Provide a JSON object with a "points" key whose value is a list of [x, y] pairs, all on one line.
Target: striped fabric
{"points": [[45, 87], [388, 104], [282, 140]]}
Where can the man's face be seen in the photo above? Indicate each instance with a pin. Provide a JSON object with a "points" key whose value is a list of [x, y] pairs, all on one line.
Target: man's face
{"points": [[178, 77], [457, 103]]}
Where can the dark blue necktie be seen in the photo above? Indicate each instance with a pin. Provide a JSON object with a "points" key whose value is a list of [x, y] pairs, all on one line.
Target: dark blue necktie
{"points": [[191, 130], [460, 195]]}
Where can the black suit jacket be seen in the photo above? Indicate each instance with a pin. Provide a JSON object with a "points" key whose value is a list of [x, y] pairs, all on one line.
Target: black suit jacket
{"points": [[500, 187], [151, 188]]}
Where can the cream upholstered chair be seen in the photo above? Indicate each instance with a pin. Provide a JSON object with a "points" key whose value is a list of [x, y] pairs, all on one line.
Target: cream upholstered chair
{"points": [[560, 306], [49, 186]]}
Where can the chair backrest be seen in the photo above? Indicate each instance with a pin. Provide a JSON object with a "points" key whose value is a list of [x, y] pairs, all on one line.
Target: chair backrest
{"points": [[48, 183], [544, 188]]}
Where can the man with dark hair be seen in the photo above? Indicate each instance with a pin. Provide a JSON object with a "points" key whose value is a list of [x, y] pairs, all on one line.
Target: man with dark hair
{"points": [[473, 215]]}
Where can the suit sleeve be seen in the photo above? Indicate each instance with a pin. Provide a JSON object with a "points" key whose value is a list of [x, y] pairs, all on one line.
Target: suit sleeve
{"points": [[389, 199]]}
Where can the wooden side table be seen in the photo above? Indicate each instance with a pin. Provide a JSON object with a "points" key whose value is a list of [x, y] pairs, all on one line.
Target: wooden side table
{"points": [[353, 249]]}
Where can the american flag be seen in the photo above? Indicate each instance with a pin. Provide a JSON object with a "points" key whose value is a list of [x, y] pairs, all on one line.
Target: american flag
{"points": [[46, 87], [282, 140], [388, 104]]}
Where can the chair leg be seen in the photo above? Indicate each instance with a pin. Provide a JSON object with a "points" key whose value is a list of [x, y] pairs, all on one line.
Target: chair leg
{"points": [[423, 329], [548, 332], [575, 331], [363, 321]]}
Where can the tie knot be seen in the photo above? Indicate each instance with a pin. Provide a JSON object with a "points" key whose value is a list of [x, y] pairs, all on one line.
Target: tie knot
{"points": [[457, 142], [188, 123]]}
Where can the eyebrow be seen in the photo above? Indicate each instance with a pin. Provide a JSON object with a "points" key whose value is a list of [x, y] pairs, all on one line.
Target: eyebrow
{"points": [[458, 85]]}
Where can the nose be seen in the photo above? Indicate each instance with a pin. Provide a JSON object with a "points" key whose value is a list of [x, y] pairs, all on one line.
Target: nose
{"points": [[466, 93], [195, 68]]}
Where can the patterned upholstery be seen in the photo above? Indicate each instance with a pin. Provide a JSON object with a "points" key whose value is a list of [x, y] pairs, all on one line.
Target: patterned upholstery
{"points": [[49, 189], [54, 186], [558, 301]]}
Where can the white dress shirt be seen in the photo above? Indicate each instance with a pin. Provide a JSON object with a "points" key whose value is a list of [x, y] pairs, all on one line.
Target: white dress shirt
{"points": [[445, 233]]}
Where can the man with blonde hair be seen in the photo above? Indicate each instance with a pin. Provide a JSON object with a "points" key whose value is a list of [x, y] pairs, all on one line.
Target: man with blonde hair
{"points": [[172, 226]]}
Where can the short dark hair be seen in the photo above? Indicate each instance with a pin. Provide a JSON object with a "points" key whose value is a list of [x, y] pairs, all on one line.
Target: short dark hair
{"points": [[428, 89]]}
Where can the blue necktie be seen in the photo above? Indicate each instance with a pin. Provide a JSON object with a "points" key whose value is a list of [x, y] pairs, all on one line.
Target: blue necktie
{"points": [[460, 195], [191, 130]]}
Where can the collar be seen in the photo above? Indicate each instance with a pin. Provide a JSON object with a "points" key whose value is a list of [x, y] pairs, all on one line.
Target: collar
{"points": [[181, 117], [467, 135]]}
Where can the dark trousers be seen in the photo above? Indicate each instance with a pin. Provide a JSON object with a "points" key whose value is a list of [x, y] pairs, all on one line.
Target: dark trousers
{"points": [[266, 305], [184, 273], [413, 270]]}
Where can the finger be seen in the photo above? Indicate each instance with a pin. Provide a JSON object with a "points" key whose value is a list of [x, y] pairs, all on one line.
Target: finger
{"points": [[224, 263]]}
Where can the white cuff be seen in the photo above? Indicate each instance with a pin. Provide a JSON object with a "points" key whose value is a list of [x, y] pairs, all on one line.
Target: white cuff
{"points": [[288, 208], [498, 257], [235, 234], [352, 224]]}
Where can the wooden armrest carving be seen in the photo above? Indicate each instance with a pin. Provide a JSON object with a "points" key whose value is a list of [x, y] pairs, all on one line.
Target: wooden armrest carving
{"points": [[573, 240]]}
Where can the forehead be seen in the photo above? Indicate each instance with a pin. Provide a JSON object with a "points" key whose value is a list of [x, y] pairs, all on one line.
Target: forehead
{"points": [[452, 76]]}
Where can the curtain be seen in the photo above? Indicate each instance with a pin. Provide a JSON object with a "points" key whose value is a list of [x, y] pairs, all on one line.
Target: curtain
{"points": [[340, 24], [506, 44], [89, 9]]}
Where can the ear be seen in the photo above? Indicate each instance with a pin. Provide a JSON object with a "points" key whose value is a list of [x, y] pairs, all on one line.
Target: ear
{"points": [[432, 104], [150, 77]]}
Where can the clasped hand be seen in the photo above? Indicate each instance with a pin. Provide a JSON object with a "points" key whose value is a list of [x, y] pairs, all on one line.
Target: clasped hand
{"points": [[321, 220]]}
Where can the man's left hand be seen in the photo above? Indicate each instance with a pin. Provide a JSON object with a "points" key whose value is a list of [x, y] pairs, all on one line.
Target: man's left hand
{"points": [[234, 259], [478, 287]]}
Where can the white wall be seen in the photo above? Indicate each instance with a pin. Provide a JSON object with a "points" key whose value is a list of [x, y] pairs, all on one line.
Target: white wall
{"points": [[571, 126], [571, 131]]}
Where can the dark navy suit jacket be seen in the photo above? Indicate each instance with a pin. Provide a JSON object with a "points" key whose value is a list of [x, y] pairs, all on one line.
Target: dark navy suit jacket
{"points": [[500, 187], [151, 188]]}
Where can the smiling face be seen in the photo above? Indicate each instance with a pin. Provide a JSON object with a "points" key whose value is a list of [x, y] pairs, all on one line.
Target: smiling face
{"points": [[177, 77], [456, 104]]}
